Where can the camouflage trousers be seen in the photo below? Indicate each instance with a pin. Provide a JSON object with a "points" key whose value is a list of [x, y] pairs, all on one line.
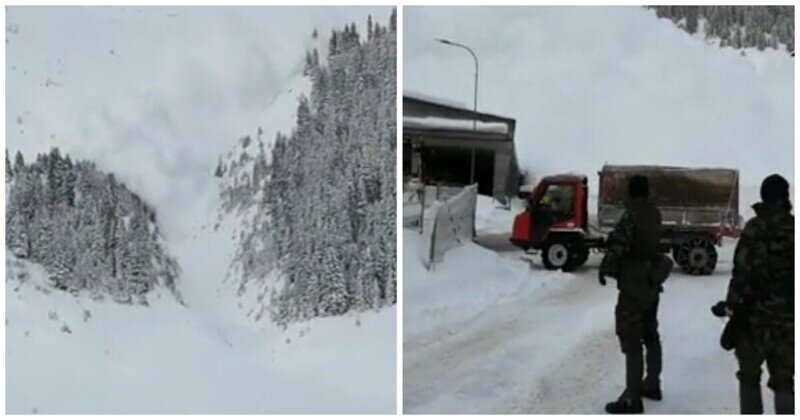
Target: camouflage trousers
{"points": [[636, 325], [637, 329], [773, 345]]}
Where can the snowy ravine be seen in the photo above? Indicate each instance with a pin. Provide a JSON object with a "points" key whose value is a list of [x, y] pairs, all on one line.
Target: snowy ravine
{"points": [[68, 354], [154, 95]]}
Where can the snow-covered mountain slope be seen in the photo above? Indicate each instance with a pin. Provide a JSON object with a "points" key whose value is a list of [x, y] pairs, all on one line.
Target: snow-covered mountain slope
{"points": [[486, 333], [155, 95], [316, 203], [589, 85], [756, 27], [68, 354]]}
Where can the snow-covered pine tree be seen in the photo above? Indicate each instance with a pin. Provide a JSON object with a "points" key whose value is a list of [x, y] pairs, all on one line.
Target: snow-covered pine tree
{"points": [[324, 220], [71, 218]]}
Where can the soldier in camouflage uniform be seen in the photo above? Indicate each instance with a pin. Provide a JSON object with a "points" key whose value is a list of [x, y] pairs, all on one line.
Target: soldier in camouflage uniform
{"points": [[763, 286], [631, 251]]}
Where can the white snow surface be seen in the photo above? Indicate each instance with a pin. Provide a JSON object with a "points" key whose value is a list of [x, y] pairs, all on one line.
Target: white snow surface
{"points": [[155, 95], [171, 359], [589, 85], [486, 333], [493, 217]]}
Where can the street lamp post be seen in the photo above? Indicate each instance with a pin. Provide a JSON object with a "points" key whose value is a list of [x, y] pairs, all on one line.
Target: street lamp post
{"points": [[474, 98], [474, 57]]}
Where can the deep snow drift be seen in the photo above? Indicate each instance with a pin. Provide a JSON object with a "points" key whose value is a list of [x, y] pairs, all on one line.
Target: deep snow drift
{"points": [[154, 95]]}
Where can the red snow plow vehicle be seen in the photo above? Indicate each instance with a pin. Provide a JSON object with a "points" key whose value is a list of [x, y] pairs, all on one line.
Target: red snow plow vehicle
{"points": [[698, 208]]}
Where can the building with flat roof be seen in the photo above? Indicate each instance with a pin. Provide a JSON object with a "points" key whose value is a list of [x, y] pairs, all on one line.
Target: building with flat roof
{"points": [[444, 144]]}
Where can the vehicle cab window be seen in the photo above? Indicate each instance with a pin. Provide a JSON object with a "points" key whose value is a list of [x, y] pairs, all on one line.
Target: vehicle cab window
{"points": [[557, 201]]}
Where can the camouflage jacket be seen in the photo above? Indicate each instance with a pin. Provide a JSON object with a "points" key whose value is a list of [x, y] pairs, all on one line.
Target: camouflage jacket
{"points": [[763, 265], [632, 247]]}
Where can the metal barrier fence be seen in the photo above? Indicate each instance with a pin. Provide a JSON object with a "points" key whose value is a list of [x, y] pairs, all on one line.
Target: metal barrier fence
{"points": [[450, 223]]}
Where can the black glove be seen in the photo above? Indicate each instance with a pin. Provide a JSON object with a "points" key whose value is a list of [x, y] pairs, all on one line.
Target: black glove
{"points": [[602, 277]]}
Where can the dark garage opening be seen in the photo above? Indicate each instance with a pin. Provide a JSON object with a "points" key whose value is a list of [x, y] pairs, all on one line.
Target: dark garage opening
{"points": [[452, 166]]}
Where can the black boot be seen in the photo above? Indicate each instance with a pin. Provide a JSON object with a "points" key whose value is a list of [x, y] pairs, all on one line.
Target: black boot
{"points": [[651, 388], [625, 405], [630, 402], [750, 398], [784, 402]]}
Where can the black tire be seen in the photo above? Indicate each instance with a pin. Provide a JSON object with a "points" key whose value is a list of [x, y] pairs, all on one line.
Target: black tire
{"points": [[580, 256], [678, 256], [696, 256], [558, 254]]}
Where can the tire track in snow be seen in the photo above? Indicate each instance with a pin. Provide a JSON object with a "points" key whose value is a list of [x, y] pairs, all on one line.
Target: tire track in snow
{"points": [[481, 365]]}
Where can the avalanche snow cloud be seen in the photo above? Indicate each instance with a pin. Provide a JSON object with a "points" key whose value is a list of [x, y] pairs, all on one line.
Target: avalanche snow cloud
{"points": [[590, 85], [154, 94]]}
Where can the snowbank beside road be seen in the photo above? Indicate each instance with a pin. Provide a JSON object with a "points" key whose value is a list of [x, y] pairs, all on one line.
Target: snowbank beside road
{"points": [[487, 333]]}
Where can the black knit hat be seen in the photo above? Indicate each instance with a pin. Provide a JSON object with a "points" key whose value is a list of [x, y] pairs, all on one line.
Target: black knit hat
{"points": [[774, 188], [638, 187]]}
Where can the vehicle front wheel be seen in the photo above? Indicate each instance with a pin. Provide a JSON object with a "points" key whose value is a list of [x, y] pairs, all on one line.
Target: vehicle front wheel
{"points": [[558, 254]]}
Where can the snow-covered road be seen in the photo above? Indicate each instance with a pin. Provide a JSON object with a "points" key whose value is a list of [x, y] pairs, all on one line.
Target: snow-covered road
{"points": [[486, 333]]}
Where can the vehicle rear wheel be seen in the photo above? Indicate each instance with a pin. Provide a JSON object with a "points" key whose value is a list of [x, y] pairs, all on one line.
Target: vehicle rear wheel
{"points": [[678, 256], [558, 254], [697, 256]]}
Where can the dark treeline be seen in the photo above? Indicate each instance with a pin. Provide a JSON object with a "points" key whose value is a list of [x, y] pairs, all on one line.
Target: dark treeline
{"points": [[89, 231], [737, 26], [325, 198]]}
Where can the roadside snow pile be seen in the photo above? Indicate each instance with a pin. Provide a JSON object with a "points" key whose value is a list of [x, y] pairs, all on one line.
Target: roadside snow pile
{"points": [[68, 354], [468, 280], [484, 333], [493, 217]]}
